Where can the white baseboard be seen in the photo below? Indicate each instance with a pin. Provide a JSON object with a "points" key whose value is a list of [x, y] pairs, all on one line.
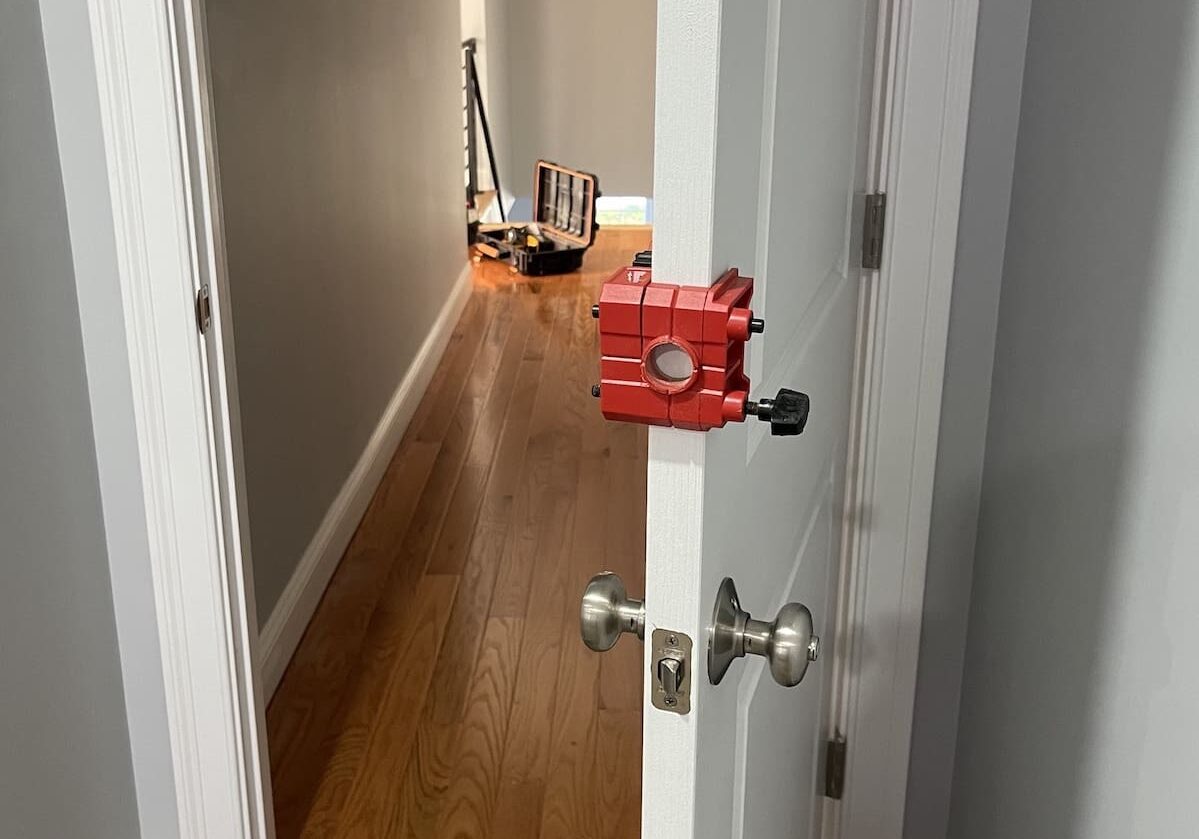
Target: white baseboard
{"points": [[283, 629]]}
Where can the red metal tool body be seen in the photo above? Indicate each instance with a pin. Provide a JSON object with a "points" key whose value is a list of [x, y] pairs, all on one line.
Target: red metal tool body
{"points": [[674, 355]]}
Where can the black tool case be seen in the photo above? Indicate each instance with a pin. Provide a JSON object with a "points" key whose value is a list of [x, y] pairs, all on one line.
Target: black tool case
{"points": [[563, 228]]}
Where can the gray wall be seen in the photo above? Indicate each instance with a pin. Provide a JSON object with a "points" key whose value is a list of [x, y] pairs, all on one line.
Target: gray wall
{"points": [[82, 156], [982, 234], [1079, 703], [580, 90], [340, 146], [65, 765]]}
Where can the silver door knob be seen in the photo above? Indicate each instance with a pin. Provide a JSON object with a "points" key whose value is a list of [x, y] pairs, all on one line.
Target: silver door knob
{"points": [[608, 612], [788, 643]]}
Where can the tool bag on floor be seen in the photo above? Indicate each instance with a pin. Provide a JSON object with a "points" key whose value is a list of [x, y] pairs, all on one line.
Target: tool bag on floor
{"points": [[563, 230]]}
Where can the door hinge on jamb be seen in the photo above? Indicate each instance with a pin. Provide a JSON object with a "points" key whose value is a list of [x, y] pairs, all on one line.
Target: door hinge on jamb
{"points": [[203, 309], [834, 767], [873, 226]]}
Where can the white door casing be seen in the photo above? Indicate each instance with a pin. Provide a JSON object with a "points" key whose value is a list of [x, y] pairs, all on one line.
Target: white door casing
{"points": [[146, 74], [208, 243]]}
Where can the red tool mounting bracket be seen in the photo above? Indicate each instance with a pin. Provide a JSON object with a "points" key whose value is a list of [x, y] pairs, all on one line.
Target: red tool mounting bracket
{"points": [[674, 355]]}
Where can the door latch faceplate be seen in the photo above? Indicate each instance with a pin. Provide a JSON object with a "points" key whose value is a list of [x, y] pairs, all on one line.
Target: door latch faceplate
{"points": [[670, 671]]}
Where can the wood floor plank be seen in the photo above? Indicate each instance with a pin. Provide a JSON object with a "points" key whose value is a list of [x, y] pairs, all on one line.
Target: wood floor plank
{"points": [[446, 385], [429, 769], [455, 427], [624, 553], [449, 552], [506, 466], [309, 700], [480, 565], [420, 794], [551, 617], [566, 811], [429, 421], [552, 447], [616, 796], [470, 799], [527, 745], [397, 593], [356, 792]]}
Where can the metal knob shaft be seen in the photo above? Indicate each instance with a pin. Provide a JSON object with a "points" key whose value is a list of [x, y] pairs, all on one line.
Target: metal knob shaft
{"points": [[607, 612], [788, 643]]}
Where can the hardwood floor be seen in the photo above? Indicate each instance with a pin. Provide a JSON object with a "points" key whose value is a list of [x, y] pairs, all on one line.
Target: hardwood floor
{"points": [[441, 689]]}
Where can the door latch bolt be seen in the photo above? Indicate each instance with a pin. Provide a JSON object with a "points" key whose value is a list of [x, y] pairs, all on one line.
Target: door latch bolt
{"points": [[671, 671]]}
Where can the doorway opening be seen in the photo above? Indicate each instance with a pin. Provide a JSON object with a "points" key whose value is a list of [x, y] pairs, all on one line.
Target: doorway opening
{"points": [[429, 481], [441, 687]]}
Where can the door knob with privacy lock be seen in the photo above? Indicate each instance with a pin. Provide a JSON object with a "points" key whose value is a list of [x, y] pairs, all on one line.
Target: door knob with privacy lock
{"points": [[788, 643], [607, 612]]}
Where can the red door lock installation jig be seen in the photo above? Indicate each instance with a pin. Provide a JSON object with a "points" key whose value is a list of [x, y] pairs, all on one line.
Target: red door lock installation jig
{"points": [[674, 355]]}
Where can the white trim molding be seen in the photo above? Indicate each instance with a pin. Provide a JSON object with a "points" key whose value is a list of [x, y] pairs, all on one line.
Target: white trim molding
{"points": [[136, 76], [283, 629]]}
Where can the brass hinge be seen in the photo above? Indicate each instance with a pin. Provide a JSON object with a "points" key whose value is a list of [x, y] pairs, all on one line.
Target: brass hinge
{"points": [[874, 223], [834, 767], [203, 309]]}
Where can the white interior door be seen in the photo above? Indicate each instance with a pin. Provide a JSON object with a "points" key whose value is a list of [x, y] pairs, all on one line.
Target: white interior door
{"points": [[763, 113]]}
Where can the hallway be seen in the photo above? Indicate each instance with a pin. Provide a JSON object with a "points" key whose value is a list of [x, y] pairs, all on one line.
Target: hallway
{"points": [[441, 689]]}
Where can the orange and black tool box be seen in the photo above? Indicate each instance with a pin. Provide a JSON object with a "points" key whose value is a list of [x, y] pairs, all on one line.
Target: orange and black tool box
{"points": [[563, 228]]}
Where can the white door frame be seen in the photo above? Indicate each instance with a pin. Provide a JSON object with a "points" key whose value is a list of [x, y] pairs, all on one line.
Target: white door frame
{"points": [[151, 80]]}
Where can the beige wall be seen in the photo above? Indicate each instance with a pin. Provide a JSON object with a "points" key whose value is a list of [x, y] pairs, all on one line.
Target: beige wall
{"points": [[340, 146], [580, 90]]}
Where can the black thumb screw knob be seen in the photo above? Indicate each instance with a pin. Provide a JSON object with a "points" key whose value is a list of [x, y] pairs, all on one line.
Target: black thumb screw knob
{"points": [[787, 412]]}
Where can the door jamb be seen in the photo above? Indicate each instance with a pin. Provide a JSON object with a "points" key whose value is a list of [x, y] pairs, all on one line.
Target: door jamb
{"points": [[928, 50], [214, 706]]}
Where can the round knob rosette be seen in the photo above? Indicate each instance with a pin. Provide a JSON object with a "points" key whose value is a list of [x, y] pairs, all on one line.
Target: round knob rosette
{"points": [[788, 643]]}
